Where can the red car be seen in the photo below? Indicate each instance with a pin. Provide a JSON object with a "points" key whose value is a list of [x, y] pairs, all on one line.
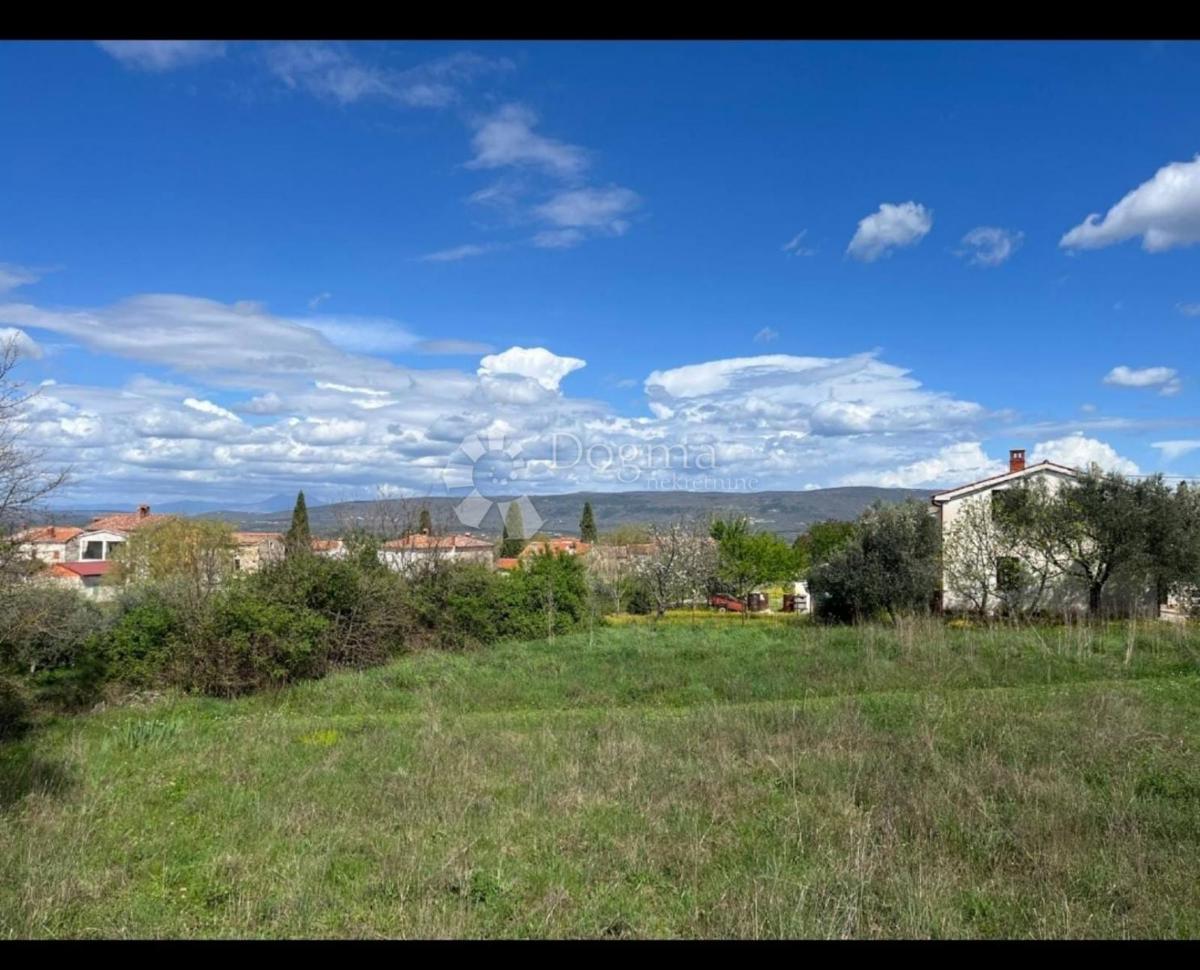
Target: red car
{"points": [[725, 603]]}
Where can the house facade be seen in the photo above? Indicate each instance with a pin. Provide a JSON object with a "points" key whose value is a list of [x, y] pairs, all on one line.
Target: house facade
{"points": [[49, 543], [417, 550], [954, 508], [256, 549]]}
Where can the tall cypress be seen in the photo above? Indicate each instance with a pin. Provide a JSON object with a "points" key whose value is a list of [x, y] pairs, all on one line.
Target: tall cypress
{"points": [[425, 526], [512, 539], [298, 539], [587, 524]]}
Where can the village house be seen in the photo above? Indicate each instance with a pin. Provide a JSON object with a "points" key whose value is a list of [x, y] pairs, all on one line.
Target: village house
{"points": [[256, 549], [49, 543], [952, 504], [83, 577], [419, 548], [104, 535], [563, 545], [329, 548]]}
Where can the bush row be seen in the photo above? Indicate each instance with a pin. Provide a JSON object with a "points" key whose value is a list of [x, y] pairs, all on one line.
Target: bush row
{"points": [[294, 620]]}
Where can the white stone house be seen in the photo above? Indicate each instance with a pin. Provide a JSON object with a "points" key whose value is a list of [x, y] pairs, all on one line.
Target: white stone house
{"points": [[49, 543], [951, 504], [419, 549]]}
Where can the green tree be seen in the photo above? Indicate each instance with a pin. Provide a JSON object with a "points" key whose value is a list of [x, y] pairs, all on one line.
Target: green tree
{"points": [[195, 555], [587, 524], [891, 565], [298, 540], [512, 539], [822, 540], [747, 559]]}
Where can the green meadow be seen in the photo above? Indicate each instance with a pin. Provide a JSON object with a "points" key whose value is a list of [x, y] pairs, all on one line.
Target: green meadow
{"points": [[691, 778]]}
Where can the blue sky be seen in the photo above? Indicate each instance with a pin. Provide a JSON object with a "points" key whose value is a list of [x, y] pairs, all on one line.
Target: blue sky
{"points": [[244, 268]]}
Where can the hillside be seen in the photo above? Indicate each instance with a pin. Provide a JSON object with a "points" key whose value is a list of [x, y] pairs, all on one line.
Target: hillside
{"points": [[787, 513]]}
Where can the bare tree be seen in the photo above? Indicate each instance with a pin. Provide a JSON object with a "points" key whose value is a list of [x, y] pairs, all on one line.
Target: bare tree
{"points": [[25, 482]]}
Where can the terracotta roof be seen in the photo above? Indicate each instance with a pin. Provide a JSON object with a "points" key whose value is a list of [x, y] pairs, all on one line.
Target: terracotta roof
{"points": [[124, 521], [48, 533], [420, 540], [254, 538], [508, 562], [59, 571], [326, 545], [88, 567], [938, 497], [567, 545]]}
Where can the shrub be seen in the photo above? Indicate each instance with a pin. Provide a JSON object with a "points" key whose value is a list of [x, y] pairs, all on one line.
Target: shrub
{"points": [[245, 642], [45, 627], [14, 710], [137, 649]]}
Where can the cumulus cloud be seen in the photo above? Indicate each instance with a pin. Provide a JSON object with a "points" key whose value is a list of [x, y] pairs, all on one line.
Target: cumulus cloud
{"points": [[990, 245], [25, 345], [1164, 211], [892, 227], [507, 138], [1078, 451], [952, 465], [162, 55], [1172, 450], [537, 363], [339, 420], [1164, 379]]}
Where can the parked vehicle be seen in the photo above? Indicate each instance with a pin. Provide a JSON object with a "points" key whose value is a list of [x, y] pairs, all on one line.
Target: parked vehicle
{"points": [[723, 603]]}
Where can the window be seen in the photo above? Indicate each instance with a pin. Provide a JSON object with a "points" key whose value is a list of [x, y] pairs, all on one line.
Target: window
{"points": [[1005, 503], [94, 550], [1008, 574]]}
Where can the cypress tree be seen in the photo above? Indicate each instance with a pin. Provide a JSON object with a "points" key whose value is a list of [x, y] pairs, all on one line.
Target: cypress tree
{"points": [[587, 524], [425, 526], [512, 539], [298, 539]]}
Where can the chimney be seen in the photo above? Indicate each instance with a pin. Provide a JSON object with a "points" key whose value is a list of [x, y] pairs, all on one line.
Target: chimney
{"points": [[144, 510], [1016, 460]]}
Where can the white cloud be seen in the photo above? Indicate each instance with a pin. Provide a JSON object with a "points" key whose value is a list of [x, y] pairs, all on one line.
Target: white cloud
{"points": [[536, 363], [766, 335], [12, 276], [26, 346], [990, 245], [1164, 211], [1163, 378], [558, 238], [207, 407], [162, 55], [363, 334], [507, 138], [795, 245], [591, 208], [331, 73], [1172, 450], [952, 465], [320, 298], [892, 227], [455, 253], [1077, 451], [1189, 309]]}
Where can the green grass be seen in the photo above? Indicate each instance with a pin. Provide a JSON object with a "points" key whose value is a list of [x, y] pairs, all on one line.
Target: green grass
{"points": [[757, 779]]}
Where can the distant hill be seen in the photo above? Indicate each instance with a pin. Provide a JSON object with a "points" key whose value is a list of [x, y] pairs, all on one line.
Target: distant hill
{"points": [[786, 513]]}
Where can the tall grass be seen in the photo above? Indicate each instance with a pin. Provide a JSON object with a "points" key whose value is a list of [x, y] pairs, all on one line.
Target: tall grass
{"points": [[745, 779]]}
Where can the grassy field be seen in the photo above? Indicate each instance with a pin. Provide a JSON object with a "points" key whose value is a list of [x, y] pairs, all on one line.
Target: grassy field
{"points": [[716, 779]]}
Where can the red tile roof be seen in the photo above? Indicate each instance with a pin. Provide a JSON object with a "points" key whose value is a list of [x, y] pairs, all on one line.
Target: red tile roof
{"points": [[125, 521], [567, 545], [86, 567], [48, 533], [508, 562], [326, 545], [420, 540]]}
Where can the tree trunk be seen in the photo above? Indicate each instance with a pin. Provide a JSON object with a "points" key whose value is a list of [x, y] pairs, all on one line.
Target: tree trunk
{"points": [[1094, 591]]}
